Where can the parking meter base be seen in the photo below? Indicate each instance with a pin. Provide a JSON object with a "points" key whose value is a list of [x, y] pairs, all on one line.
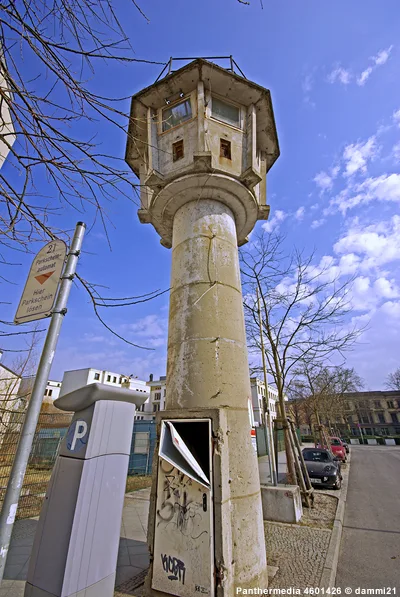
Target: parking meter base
{"points": [[76, 543]]}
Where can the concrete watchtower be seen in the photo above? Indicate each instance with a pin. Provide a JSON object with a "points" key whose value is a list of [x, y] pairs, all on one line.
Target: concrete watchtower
{"points": [[201, 141]]}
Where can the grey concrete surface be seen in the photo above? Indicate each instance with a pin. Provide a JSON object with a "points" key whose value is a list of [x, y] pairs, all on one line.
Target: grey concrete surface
{"points": [[370, 549]]}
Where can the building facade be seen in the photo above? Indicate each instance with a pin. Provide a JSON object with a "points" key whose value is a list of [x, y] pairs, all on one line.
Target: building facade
{"points": [[78, 378], [156, 400], [258, 394], [374, 413]]}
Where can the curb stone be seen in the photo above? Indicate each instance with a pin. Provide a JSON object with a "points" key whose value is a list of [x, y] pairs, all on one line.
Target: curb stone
{"points": [[332, 557]]}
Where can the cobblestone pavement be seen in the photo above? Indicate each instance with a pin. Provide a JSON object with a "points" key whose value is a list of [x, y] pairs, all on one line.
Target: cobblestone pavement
{"points": [[298, 551]]}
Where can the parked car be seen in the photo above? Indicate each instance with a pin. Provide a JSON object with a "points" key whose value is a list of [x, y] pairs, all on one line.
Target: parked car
{"points": [[323, 468], [346, 445], [338, 448]]}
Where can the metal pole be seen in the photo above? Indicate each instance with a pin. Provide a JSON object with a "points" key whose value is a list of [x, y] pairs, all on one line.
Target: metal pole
{"points": [[14, 486], [267, 414]]}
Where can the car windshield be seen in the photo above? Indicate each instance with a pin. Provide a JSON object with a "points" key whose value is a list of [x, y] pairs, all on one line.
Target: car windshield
{"points": [[335, 442], [316, 456]]}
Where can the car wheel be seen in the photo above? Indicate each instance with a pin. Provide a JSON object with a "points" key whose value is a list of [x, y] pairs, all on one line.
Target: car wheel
{"points": [[338, 484]]}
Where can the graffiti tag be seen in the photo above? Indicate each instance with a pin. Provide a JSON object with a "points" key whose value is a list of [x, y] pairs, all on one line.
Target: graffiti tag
{"points": [[175, 568]]}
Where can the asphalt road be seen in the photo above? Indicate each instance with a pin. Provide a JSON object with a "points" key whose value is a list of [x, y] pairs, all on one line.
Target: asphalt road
{"points": [[370, 548]]}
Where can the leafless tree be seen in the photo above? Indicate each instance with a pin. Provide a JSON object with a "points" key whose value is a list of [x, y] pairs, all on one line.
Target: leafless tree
{"points": [[51, 105], [322, 390], [304, 313], [393, 380], [12, 400]]}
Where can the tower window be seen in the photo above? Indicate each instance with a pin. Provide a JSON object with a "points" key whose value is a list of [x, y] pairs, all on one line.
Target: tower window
{"points": [[176, 114], [225, 112], [225, 149], [177, 150]]}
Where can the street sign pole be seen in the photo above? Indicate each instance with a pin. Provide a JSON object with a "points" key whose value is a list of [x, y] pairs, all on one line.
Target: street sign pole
{"points": [[13, 492]]}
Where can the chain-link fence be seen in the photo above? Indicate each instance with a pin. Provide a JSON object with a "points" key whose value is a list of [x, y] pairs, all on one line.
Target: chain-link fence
{"points": [[50, 430], [142, 448]]}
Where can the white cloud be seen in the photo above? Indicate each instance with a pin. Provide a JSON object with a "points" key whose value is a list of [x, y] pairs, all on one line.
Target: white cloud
{"points": [[317, 223], [396, 151], [152, 328], [380, 188], [367, 295], [323, 181], [341, 75], [357, 155], [375, 245], [364, 76], [345, 76], [307, 86], [307, 83], [349, 264], [299, 215], [396, 117], [273, 223], [382, 56], [378, 60], [392, 308], [385, 288]]}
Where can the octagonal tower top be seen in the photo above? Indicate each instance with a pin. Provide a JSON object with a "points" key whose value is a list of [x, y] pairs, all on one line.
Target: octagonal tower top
{"points": [[202, 131]]}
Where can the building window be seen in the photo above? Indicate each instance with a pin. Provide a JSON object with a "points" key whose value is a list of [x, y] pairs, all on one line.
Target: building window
{"points": [[120, 380], [225, 112], [225, 150], [393, 415], [377, 404], [385, 431], [368, 431], [97, 376], [157, 388], [175, 115], [390, 404], [381, 418], [157, 396], [397, 430], [156, 408], [364, 418], [108, 377], [165, 391], [177, 150], [51, 393]]}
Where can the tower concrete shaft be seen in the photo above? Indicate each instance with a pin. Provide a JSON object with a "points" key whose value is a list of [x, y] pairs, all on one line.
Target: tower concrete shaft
{"points": [[202, 140], [208, 368]]}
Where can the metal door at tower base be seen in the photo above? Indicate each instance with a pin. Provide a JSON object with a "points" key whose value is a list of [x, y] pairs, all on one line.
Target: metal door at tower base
{"points": [[183, 562]]}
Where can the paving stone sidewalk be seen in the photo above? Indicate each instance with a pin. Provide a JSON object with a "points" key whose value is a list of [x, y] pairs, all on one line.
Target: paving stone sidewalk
{"points": [[299, 551]]}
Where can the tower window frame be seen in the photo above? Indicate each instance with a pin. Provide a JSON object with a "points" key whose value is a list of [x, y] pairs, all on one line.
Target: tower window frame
{"points": [[169, 120], [217, 108], [178, 150], [225, 149]]}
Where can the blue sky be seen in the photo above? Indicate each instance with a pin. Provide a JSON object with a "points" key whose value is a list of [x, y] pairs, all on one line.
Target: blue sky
{"points": [[332, 69]]}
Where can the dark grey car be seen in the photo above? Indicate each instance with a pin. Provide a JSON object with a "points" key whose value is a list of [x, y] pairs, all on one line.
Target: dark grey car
{"points": [[323, 468]]}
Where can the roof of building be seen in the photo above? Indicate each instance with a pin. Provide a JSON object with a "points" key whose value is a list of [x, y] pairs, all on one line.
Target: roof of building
{"points": [[373, 394]]}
